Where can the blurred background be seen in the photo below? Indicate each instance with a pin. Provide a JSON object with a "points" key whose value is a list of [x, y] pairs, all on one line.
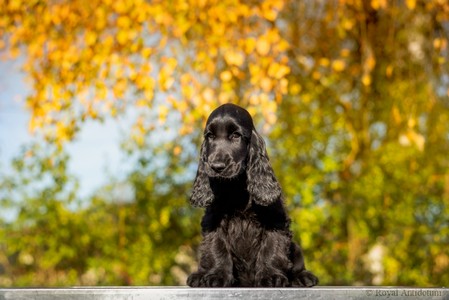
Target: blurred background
{"points": [[103, 104]]}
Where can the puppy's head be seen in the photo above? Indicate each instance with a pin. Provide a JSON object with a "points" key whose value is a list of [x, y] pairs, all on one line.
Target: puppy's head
{"points": [[227, 137], [230, 148]]}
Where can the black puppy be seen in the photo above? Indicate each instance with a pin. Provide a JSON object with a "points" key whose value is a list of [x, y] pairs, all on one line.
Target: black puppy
{"points": [[246, 235]]}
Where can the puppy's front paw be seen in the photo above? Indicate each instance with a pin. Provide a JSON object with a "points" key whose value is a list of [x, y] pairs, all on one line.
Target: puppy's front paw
{"points": [[194, 279], [271, 280], [217, 280], [304, 279]]}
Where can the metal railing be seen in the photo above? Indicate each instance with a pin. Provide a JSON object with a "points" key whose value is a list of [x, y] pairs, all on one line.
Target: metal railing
{"points": [[166, 293]]}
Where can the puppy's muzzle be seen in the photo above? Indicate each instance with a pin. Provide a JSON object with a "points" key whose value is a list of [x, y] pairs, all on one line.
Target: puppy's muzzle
{"points": [[218, 167]]}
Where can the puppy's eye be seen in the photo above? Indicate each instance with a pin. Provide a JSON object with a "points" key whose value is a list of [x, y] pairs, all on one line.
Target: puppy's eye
{"points": [[235, 136], [210, 136]]}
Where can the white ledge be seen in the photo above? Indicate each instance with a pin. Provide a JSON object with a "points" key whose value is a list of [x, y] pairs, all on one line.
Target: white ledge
{"points": [[166, 293]]}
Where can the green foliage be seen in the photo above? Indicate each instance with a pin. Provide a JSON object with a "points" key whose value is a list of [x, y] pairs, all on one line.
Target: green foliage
{"points": [[131, 232]]}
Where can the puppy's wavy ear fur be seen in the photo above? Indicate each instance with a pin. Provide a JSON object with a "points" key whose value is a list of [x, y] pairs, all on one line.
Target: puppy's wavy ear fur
{"points": [[202, 194], [263, 187]]}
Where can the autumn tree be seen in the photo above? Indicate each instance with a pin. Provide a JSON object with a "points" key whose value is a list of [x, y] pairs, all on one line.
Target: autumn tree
{"points": [[352, 96], [366, 144]]}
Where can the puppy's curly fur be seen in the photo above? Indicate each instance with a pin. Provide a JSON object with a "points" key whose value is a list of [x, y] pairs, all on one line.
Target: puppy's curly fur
{"points": [[246, 237]]}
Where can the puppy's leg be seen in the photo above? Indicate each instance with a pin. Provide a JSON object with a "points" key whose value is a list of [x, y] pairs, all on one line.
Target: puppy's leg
{"points": [[300, 277], [215, 267], [273, 263]]}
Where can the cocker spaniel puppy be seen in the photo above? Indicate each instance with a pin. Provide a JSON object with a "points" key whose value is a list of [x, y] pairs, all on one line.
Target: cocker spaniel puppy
{"points": [[246, 237]]}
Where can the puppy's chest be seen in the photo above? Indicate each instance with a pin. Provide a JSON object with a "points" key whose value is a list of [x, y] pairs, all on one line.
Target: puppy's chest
{"points": [[244, 235]]}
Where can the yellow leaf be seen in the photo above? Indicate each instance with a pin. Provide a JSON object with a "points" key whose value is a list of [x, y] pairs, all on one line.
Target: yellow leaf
{"points": [[370, 62], [166, 82], [439, 43], [338, 65], [123, 22], [142, 102], [252, 110], [254, 70], [234, 58], [92, 113], [266, 84], [91, 38], [262, 46], [389, 71], [416, 138], [411, 4], [366, 80], [271, 119], [377, 4], [181, 106], [225, 97], [63, 133], [270, 106], [324, 62], [185, 129], [345, 52], [278, 71], [163, 112], [268, 12], [218, 29], [120, 6], [208, 95], [14, 4], [250, 45], [295, 89], [122, 37], [411, 122], [254, 100], [138, 139], [119, 88], [170, 64], [187, 91], [146, 52], [177, 150], [347, 24], [14, 52], [264, 99], [283, 86], [396, 115], [226, 76], [282, 45]]}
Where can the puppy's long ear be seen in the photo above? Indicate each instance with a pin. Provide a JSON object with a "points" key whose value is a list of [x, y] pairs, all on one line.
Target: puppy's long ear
{"points": [[263, 187], [202, 194]]}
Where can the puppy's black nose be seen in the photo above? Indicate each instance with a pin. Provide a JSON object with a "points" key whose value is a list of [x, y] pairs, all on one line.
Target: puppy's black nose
{"points": [[218, 166]]}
